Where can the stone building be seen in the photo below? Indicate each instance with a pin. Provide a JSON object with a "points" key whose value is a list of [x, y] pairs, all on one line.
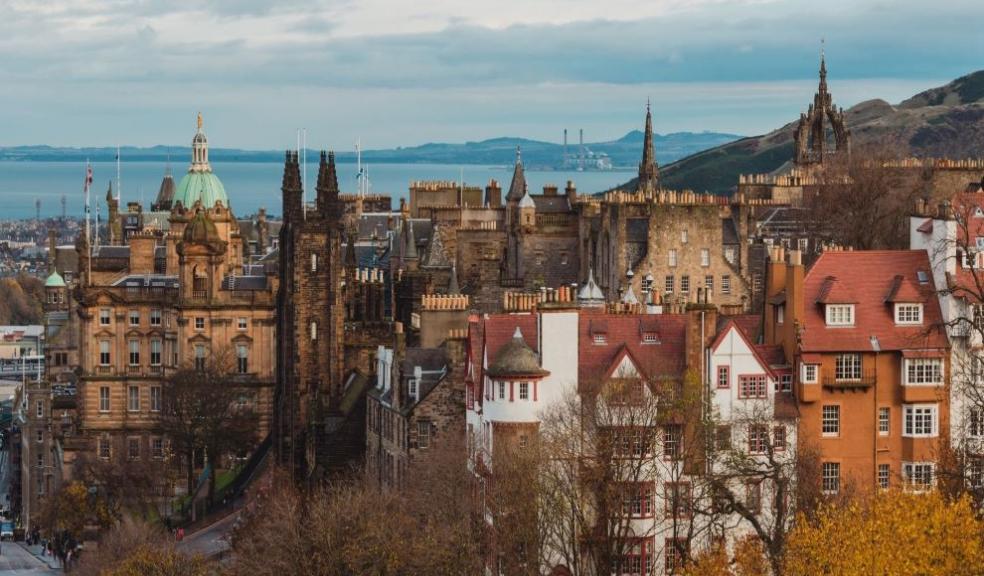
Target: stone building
{"points": [[166, 300], [416, 407]]}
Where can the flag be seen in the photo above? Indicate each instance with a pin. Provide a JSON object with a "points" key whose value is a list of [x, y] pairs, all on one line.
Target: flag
{"points": [[88, 176]]}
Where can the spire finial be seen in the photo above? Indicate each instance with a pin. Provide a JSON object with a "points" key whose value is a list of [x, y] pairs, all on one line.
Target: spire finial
{"points": [[519, 159], [199, 120]]}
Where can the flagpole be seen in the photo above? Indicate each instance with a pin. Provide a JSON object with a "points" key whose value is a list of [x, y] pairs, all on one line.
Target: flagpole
{"points": [[88, 218]]}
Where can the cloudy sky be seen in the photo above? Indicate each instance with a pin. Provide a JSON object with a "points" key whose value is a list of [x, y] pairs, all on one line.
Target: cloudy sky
{"points": [[404, 72]]}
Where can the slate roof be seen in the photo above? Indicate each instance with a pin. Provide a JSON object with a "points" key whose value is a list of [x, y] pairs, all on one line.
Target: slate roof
{"points": [[515, 359], [551, 204]]}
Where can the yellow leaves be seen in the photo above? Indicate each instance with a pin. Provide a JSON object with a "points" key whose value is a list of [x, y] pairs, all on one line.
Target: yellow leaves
{"points": [[150, 561], [748, 560], [897, 533]]}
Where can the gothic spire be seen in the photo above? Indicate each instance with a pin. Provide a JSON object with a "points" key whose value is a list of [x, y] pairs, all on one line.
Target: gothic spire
{"points": [[327, 187], [648, 168], [518, 186], [290, 187]]}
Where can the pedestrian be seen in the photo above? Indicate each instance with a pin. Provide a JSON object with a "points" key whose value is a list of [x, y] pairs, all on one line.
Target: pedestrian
{"points": [[181, 534]]}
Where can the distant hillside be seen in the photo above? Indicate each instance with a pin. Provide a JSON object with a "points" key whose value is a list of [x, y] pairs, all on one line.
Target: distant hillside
{"points": [[944, 121], [624, 152]]}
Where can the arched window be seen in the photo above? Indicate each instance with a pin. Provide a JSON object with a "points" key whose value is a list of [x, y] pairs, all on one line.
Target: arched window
{"points": [[314, 330], [314, 262]]}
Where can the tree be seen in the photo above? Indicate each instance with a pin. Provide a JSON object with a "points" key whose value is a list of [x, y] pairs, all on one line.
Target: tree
{"points": [[894, 532], [136, 548], [71, 508], [348, 527], [204, 412], [863, 200]]}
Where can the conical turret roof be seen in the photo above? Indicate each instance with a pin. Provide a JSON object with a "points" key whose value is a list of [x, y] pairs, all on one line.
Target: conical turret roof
{"points": [[516, 360]]}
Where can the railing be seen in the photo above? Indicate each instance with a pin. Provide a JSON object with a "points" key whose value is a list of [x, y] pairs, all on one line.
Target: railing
{"points": [[864, 380]]}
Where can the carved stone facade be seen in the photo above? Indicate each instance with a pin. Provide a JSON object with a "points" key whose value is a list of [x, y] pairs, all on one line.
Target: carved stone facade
{"points": [[165, 300]]}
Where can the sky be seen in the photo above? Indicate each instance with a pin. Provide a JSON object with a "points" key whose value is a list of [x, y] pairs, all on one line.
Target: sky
{"points": [[405, 72]]}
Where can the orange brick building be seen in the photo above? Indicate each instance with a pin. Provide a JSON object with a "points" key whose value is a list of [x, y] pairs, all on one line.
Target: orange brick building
{"points": [[872, 362]]}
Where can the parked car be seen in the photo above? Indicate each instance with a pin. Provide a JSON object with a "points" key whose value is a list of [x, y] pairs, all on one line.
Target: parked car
{"points": [[6, 531]]}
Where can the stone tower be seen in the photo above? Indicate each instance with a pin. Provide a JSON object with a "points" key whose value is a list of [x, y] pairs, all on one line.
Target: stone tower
{"points": [[310, 324]]}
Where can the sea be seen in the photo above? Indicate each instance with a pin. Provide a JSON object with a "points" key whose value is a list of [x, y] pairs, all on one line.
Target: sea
{"points": [[250, 185]]}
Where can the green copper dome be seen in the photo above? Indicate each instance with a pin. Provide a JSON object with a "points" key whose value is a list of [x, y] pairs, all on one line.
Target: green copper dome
{"points": [[203, 186], [54, 281]]}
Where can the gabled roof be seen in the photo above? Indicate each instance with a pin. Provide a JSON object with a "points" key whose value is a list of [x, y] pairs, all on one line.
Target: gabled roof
{"points": [[866, 277], [766, 356], [623, 337]]}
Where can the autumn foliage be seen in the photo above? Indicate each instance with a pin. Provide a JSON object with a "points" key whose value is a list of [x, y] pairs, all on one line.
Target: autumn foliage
{"points": [[897, 533]]}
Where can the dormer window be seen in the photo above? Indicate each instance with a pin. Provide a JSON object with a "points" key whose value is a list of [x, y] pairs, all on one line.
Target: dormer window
{"points": [[840, 314], [650, 338], [908, 313], [809, 375], [780, 314], [600, 338]]}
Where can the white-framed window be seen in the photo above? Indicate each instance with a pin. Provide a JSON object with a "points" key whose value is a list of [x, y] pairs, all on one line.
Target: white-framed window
{"points": [[831, 477], [840, 314], [685, 284], [600, 338], [314, 262], [809, 373], [133, 448], [780, 314], [729, 254], [920, 420], [157, 448], [705, 257], [134, 316], [672, 258], [502, 390], [314, 330], [650, 338], [884, 475], [785, 382], [241, 323], [726, 284], [133, 399], [884, 420], [668, 284], [103, 448], [155, 352], [155, 398], [709, 283], [423, 433], [199, 357], [975, 422], [134, 349], [155, 316], [524, 390], [105, 316], [242, 359], [199, 322], [104, 398], [104, 356], [847, 367], [923, 371], [919, 475], [684, 236], [830, 420], [908, 313]]}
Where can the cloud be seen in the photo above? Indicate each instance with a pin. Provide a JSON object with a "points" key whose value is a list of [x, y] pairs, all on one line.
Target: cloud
{"points": [[518, 59]]}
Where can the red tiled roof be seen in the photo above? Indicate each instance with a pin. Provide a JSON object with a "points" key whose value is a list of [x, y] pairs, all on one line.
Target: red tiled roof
{"points": [[767, 356], [833, 291], [869, 275], [751, 325], [772, 355], [904, 289], [624, 336]]}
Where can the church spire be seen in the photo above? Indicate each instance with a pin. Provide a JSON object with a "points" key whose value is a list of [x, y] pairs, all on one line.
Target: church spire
{"points": [[648, 168], [518, 186], [823, 69]]}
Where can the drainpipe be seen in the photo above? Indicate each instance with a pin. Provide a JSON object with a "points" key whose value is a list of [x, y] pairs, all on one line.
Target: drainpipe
{"points": [[876, 347]]}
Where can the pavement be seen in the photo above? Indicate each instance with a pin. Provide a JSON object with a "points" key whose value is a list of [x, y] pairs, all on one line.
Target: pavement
{"points": [[16, 559], [211, 541]]}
